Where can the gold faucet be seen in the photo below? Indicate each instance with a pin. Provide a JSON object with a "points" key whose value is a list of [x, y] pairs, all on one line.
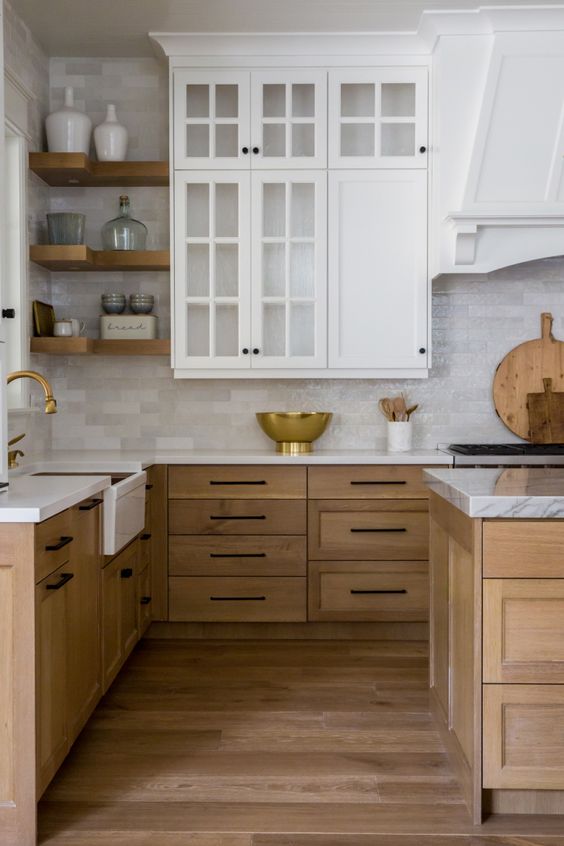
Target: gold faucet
{"points": [[50, 408]]}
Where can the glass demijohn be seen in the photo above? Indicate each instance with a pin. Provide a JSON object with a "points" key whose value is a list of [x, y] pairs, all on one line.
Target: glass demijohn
{"points": [[123, 232]]}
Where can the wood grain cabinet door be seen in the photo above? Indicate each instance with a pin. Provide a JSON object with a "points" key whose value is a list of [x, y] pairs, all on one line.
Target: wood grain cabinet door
{"points": [[210, 481], [237, 517], [523, 631], [111, 622], [523, 736]]}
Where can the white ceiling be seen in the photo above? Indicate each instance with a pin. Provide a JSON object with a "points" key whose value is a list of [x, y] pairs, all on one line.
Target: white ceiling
{"points": [[120, 27]]}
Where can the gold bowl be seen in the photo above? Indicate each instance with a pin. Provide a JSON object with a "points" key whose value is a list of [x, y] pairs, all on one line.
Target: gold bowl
{"points": [[294, 431]]}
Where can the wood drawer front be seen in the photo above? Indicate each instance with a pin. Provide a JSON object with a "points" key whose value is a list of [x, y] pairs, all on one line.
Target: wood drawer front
{"points": [[523, 736], [367, 531], [524, 631], [255, 555], [236, 482], [243, 600], [52, 533], [354, 591], [362, 482], [236, 517], [523, 549]]}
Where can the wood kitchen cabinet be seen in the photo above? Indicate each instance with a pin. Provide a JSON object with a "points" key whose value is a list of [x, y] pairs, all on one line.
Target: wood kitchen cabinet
{"points": [[120, 618]]}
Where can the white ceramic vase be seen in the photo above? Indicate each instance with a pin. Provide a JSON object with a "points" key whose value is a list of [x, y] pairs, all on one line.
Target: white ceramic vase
{"points": [[110, 138], [68, 129]]}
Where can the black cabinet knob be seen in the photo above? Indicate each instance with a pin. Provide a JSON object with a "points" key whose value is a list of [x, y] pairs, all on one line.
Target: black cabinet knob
{"points": [[245, 151], [8, 312], [256, 351], [126, 573], [245, 350], [422, 350], [422, 149], [255, 150]]}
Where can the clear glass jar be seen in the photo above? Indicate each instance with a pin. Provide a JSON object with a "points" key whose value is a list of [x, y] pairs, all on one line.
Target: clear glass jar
{"points": [[124, 232]]}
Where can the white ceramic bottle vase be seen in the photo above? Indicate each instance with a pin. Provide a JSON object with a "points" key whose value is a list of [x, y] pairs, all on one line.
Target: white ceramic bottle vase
{"points": [[110, 138], [68, 129]]}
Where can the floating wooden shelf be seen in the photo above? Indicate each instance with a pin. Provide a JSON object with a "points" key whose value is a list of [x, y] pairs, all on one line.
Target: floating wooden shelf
{"points": [[95, 346], [76, 169], [80, 257]]}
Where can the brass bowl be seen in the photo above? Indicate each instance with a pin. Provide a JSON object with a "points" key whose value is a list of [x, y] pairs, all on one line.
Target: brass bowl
{"points": [[294, 431]]}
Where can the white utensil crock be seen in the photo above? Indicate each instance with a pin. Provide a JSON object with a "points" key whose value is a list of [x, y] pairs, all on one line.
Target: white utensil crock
{"points": [[110, 138], [68, 129], [400, 436]]}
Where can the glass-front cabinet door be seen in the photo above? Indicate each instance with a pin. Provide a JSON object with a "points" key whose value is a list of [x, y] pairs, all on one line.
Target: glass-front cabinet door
{"points": [[289, 296], [289, 119], [211, 119], [212, 270], [378, 118]]}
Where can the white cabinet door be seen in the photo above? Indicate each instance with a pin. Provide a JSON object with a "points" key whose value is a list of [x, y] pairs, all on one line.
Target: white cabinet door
{"points": [[378, 118], [211, 119], [378, 269], [289, 119], [289, 243], [212, 270]]}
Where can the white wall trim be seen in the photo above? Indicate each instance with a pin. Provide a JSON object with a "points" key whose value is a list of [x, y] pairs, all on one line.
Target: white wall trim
{"points": [[18, 97]]}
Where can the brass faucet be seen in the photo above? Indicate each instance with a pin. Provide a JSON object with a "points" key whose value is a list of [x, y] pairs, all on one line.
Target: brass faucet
{"points": [[50, 408]]}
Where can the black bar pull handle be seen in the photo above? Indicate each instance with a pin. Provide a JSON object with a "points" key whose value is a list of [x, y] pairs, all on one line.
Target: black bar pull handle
{"points": [[379, 482], [238, 517], [126, 573], [92, 504], [146, 536], [378, 530], [65, 540], [238, 555], [237, 598], [356, 592], [65, 577], [242, 482], [145, 600]]}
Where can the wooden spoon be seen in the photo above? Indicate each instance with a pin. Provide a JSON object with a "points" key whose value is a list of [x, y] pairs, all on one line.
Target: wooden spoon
{"points": [[387, 408], [400, 408]]}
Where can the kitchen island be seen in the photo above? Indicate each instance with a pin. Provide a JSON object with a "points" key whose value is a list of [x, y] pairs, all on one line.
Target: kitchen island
{"points": [[497, 634]]}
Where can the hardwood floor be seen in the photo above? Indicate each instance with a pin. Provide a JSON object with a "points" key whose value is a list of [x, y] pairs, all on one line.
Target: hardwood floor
{"points": [[274, 743]]}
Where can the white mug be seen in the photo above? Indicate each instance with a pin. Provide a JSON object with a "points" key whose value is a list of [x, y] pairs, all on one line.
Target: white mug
{"points": [[62, 329], [78, 326]]}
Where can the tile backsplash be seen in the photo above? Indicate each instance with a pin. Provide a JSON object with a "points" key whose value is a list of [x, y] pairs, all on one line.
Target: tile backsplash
{"points": [[134, 402]]}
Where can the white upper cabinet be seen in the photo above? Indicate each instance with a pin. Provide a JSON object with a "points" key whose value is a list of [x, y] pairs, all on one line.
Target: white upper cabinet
{"points": [[289, 119], [289, 269], [212, 270], [378, 118], [243, 119], [378, 270]]}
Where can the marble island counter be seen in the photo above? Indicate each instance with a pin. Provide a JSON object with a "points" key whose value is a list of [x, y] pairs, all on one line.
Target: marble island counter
{"points": [[525, 493]]}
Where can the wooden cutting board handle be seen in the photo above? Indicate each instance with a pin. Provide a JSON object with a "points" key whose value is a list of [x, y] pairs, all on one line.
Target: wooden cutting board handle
{"points": [[546, 326]]}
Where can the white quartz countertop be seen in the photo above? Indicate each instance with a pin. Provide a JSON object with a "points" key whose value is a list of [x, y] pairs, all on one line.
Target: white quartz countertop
{"points": [[31, 499], [116, 461], [512, 492]]}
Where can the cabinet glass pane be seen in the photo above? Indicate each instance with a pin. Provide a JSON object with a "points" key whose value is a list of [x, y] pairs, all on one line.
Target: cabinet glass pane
{"points": [[274, 210], [398, 99], [398, 139], [197, 101], [198, 270], [357, 139], [274, 329], [358, 99], [198, 330], [226, 210], [227, 330], [303, 100], [302, 217], [273, 139], [274, 270], [302, 329], [303, 143], [197, 140], [197, 210], [226, 270], [302, 270], [226, 101], [274, 100], [226, 139]]}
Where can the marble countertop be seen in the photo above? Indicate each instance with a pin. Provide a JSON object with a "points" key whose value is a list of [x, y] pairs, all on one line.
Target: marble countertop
{"points": [[31, 499], [511, 492]]}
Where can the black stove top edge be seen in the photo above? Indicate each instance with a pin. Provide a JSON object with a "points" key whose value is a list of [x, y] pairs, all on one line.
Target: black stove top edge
{"points": [[506, 449]]}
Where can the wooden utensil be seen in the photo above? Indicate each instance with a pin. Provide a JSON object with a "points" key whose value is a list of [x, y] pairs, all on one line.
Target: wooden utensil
{"points": [[400, 409], [387, 408], [522, 372], [546, 415]]}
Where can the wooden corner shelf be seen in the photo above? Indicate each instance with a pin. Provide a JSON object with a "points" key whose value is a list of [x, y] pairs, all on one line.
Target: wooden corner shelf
{"points": [[95, 346], [76, 169], [80, 257]]}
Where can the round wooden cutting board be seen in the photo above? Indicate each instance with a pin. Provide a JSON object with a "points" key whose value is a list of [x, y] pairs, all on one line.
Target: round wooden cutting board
{"points": [[522, 372]]}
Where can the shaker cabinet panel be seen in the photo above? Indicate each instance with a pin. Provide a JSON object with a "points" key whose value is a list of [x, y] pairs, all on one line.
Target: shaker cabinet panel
{"points": [[378, 286]]}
